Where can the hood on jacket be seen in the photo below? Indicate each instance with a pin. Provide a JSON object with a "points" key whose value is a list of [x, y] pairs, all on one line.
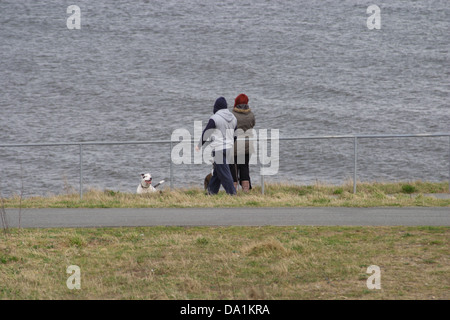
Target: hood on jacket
{"points": [[242, 108], [226, 114], [220, 104]]}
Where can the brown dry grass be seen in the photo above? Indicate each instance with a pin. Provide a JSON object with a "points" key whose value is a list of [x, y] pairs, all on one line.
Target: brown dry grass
{"points": [[226, 263], [276, 195]]}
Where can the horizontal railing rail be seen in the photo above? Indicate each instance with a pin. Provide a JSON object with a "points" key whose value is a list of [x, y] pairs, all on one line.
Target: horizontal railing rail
{"points": [[353, 137], [131, 142]]}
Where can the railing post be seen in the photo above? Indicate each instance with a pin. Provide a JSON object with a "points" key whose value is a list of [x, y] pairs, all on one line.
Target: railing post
{"points": [[171, 166], [262, 165], [81, 171], [355, 155], [262, 184]]}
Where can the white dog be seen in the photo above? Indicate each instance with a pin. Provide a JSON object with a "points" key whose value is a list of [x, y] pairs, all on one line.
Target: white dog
{"points": [[146, 184]]}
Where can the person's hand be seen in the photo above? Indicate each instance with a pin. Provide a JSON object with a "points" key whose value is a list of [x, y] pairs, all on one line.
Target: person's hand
{"points": [[197, 149]]}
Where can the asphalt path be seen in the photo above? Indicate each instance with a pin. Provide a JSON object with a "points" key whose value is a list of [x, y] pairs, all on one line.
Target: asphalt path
{"points": [[323, 216]]}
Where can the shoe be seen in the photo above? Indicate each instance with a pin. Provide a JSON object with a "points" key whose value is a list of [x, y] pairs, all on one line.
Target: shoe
{"points": [[245, 185]]}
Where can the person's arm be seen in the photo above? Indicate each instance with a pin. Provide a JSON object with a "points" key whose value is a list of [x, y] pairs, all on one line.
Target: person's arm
{"points": [[205, 135]]}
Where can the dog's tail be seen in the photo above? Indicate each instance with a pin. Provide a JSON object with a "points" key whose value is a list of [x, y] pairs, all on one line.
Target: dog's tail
{"points": [[159, 183]]}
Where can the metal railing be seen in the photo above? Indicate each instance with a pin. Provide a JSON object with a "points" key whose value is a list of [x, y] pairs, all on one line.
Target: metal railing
{"points": [[355, 139]]}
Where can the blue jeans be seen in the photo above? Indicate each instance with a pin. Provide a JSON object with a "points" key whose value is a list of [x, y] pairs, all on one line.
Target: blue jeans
{"points": [[221, 175]]}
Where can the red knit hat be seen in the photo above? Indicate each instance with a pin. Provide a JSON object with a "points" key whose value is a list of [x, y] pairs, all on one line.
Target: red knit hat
{"points": [[241, 99]]}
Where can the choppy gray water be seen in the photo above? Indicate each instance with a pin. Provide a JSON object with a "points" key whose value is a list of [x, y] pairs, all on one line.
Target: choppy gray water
{"points": [[138, 70]]}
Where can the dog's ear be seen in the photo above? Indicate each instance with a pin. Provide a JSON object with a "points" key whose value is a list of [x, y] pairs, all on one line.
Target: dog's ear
{"points": [[142, 175]]}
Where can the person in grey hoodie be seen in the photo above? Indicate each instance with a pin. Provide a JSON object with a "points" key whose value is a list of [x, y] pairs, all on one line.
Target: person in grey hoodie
{"points": [[220, 128]]}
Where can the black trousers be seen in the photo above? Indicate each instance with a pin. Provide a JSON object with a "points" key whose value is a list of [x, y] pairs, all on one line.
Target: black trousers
{"points": [[241, 171]]}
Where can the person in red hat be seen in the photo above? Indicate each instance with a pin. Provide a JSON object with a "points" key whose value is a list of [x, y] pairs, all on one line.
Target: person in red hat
{"points": [[245, 123]]}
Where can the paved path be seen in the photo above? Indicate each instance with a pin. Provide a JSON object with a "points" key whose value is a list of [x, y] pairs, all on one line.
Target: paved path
{"points": [[74, 218]]}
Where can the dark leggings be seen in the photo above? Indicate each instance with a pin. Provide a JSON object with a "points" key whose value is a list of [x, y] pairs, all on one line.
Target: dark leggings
{"points": [[241, 171]]}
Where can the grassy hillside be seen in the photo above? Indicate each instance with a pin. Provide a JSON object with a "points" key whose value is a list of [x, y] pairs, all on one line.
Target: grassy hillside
{"points": [[226, 263]]}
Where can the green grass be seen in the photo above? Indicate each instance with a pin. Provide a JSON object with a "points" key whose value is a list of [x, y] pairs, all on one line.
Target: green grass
{"points": [[276, 195], [407, 188], [226, 263]]}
